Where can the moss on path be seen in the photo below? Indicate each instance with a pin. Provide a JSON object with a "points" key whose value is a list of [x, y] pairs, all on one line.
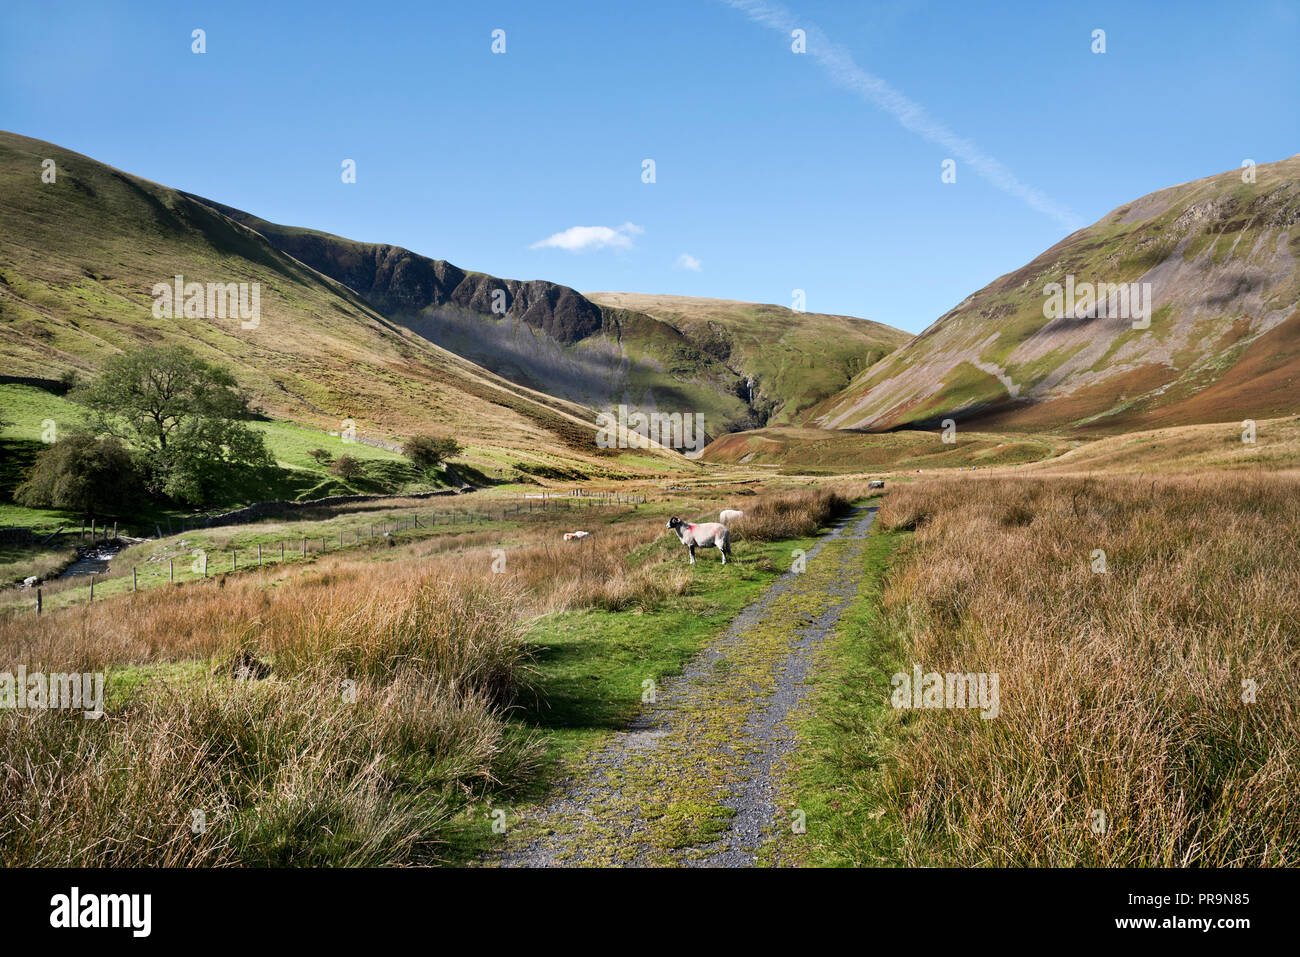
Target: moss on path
{"points": [[693, 780]]}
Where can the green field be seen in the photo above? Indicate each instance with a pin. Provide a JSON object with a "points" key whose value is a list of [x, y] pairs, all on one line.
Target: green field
{"points": [[31, 411]]}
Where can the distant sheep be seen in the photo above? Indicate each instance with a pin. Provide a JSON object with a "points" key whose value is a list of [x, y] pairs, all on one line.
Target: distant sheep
{"points": [[730, 515], [570, 536], [875, 483], [704, 535]]}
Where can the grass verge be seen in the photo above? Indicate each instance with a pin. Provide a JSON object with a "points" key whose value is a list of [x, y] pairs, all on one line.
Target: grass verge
{"points": [[843, 729], [590, 667]]}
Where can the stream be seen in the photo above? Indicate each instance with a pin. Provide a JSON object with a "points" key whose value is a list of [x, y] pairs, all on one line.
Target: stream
{"points": [[93, 561]]}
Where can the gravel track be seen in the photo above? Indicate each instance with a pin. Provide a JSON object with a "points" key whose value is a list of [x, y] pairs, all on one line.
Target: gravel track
{"points": [[692, 780]]}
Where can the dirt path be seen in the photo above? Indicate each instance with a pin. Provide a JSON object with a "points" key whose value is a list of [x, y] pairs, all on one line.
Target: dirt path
{"points": [[692, 782]]}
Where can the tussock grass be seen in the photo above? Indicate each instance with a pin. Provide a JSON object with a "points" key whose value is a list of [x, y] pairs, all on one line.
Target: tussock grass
{"points": [[796, 514], [613, 570], [383, 703], [281, 772], [1121, 692], [390, 678], [455, 629]]}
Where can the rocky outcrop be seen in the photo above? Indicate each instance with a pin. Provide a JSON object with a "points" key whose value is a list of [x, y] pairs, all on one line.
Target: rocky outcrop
{"points": [[400, 283]]}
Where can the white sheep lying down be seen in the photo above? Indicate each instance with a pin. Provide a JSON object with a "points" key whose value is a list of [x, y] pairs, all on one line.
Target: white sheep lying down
{"points": [[570, 536], [730, 515], [703, 535]]}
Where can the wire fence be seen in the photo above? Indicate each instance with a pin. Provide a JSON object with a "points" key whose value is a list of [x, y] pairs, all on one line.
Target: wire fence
{"points": [[205, 563]]}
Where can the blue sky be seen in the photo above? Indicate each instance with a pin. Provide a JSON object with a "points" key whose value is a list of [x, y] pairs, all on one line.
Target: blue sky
{"points": [[774, 171]]}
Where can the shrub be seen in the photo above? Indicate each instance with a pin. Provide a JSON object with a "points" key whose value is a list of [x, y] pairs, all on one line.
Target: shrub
{"points": [[85, 475], [429, 451], [347, 467]]}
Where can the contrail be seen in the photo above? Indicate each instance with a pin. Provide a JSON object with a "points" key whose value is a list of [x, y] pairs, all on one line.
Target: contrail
{"points": [[911, 115]]}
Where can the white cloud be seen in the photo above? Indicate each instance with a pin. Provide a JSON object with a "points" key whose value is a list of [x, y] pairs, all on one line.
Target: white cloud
{"points": [[910, 115], [687, 261], [579, 238]]}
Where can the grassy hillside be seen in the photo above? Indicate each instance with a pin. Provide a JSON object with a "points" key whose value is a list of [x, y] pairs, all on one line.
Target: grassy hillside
{"points": [[80, 256], [298, 476], [1182, 448], [540, 335], [812, 451], [794, 359], [1185, 448], [1223, 342]]}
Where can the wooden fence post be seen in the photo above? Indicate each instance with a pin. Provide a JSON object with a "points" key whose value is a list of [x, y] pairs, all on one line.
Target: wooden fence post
{"points": [[92, 587], [134, 584], [171, 569], [38, 603]]}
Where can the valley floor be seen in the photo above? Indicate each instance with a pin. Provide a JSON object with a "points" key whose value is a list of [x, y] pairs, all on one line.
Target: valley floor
{"points": [[484, 692]]}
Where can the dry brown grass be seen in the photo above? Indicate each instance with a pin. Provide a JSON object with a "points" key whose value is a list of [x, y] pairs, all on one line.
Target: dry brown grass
{"points": [[383, 694], [1120, 692], [282, 772], [1185, 448], [259, 607], [596, 572], [795, 514], [427, 638]]}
